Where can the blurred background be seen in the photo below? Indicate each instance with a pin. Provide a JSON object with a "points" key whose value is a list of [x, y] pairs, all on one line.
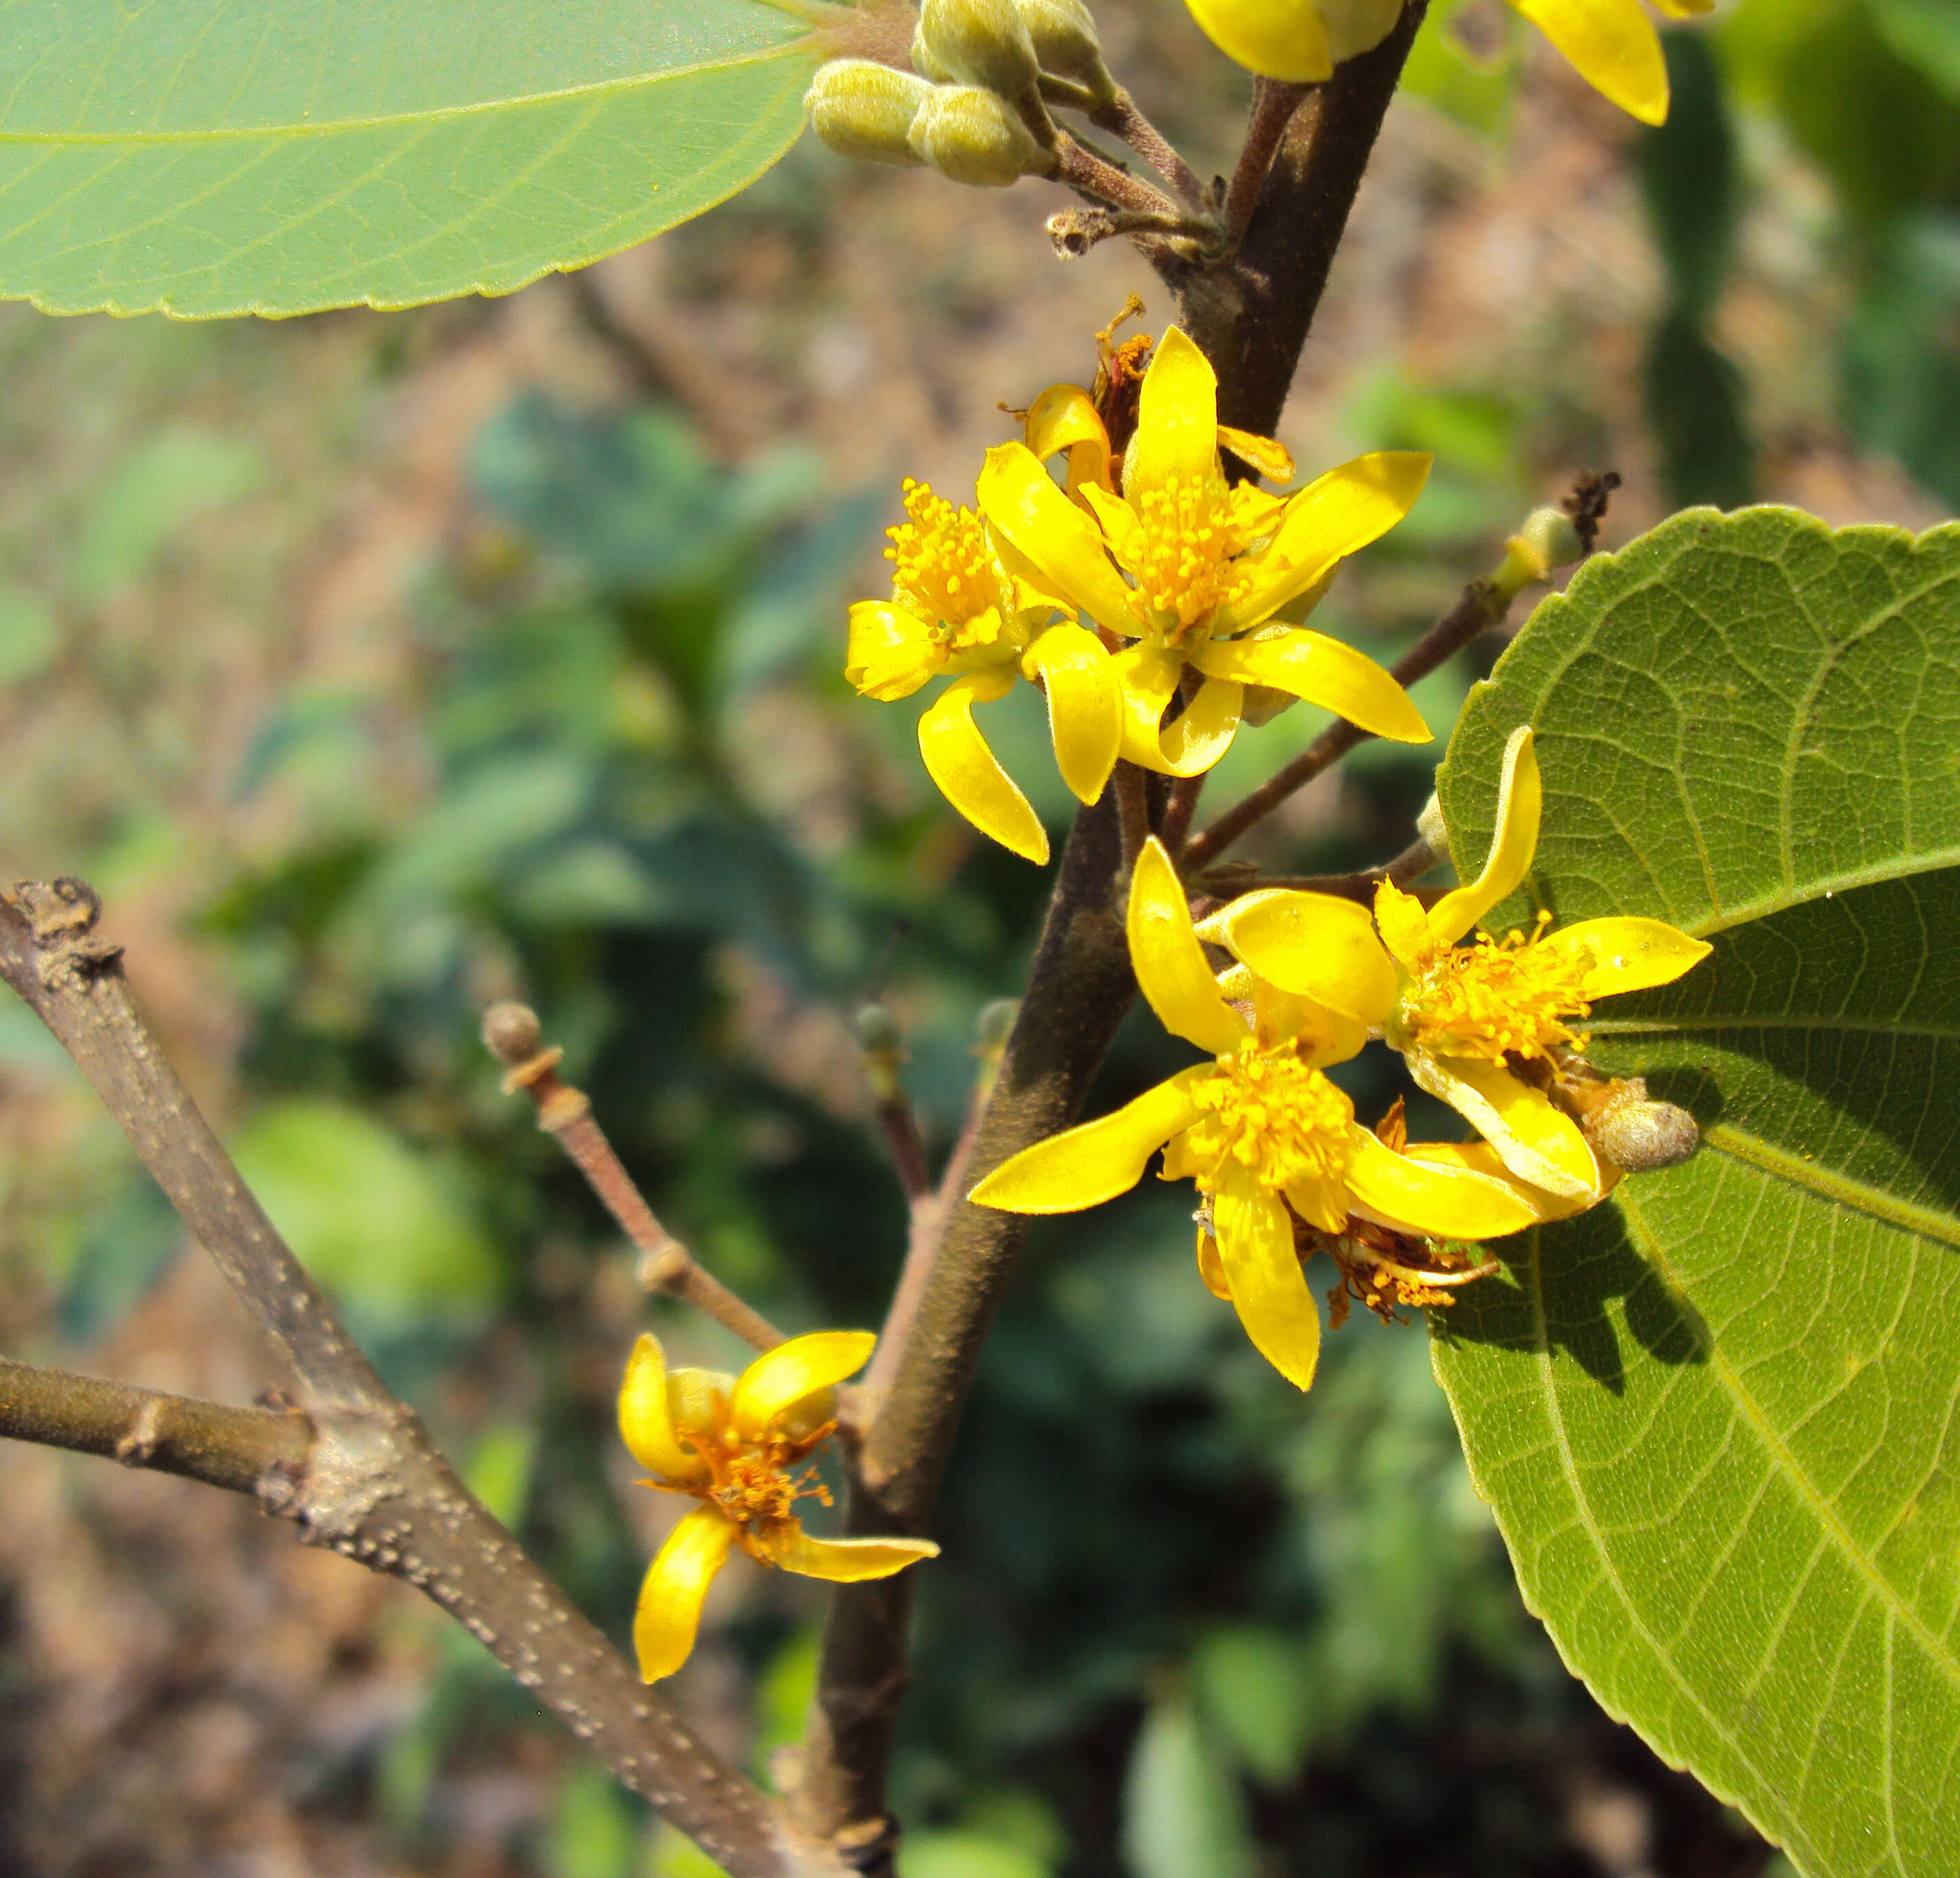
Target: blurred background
{"points": [[374, 667]]}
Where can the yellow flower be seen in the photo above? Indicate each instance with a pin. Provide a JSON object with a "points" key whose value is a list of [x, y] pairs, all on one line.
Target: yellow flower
{"points": [[1467, 1018], [734, 1443], [1260, 1129], [957, 607], [1192, 569], [1301, 41], [1614, 47], [1612, 43]]}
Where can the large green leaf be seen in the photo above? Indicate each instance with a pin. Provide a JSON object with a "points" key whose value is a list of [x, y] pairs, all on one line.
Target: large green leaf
{"points": [[1717, 1416], [204, 157]]}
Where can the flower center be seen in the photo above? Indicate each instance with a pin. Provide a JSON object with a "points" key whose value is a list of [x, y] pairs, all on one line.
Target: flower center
{"points": [[944, 564], [1494, 997], [753, 1485], [1266, 1109], [1185, 550]]}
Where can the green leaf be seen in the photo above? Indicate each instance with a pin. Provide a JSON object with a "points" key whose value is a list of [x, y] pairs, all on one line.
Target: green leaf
{"points": [[204, 157], [1926, 34], [380, 1225], [1715, 1415], [1183, 1814]]}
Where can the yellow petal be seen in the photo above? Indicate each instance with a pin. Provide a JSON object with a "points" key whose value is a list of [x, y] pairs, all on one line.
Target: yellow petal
{"points": [[1199, 736], [1334, 516], [1085, 704], [1177, 420], [1320, 1202], [1684, 9], [646, 1419], [1539, 1144], [1120, 529], [675, 1588], [1480, 1157], [1445, 1202], [1324, 672], [1172, 972], [1614, 46], [891, 652], [1097, 1161], [1403, 924], [1520, 808], [958, 759], [1323, 1036], [780, 1378], [845, 1560], [1063, 418], [1268, 1288], [1277, 39], [1313, 945], [1018, 497], [1271, 459], [1627, 954], [1211, 1267]]}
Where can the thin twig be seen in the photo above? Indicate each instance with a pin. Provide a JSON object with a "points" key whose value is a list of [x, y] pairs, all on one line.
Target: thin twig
{"points": [[237, 1449], [1131, 788], [1481, 607], [372, 1486], [1122, 118], [1175, 826], [52, 954], [1082, 169], [1274, 103], [511, 1034], [1074, 231], [1230, 881]]}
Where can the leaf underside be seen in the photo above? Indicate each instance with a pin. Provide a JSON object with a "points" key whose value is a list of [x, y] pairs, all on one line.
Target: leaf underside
{"points": [[208, 157], [1716, 1416]]}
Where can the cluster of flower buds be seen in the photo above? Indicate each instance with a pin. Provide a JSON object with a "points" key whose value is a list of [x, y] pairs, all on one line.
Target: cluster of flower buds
{"points": [[975, 107]]}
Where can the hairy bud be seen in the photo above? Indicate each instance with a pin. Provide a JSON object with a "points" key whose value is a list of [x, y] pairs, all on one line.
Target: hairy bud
{"points": [[1548, 542], [1066, 45], [1431, 826], [982, 43], [1623, 1124], [877, 1029], [862, 108], [972, 135], [1356, 26], [992, 1026]]}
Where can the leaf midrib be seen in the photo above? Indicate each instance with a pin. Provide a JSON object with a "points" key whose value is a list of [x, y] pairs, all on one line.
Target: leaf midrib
{"points": [[599, 89]]}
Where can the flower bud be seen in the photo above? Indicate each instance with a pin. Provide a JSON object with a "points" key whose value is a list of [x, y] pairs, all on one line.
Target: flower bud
{"points": [[862, 108], [1356, 26], [983, 42], [923, 62], [1431, 826], [878, 1032], [991, 1028], [1547, 543], [972, 135], [1638, 1135], [1066, 44]]}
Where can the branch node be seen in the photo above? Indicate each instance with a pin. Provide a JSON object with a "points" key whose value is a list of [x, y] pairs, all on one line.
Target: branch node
{"points": [[138, 1443]]}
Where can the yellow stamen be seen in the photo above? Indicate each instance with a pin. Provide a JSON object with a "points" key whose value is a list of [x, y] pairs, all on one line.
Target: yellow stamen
{"points": [[1266, 1109], [1186, 549], [753, 1485], [1493, 997], [944, 564]]}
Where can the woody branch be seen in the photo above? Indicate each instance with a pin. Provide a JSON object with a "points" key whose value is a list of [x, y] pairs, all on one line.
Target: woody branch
{"points": [[353, 1468]]}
